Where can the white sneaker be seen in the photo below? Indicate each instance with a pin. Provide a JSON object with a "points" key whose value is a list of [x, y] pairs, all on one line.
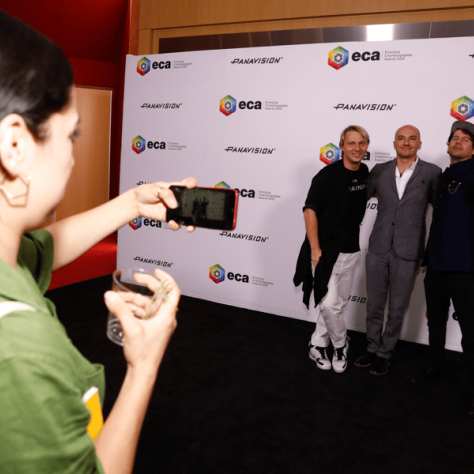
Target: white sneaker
{"points": [[339, 359], [320, 356]]}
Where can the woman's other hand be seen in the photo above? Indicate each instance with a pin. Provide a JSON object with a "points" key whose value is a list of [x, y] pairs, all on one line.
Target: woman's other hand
{"points": [[146, 340]]}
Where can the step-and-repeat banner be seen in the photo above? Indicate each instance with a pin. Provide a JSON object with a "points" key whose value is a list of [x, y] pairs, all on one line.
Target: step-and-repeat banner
{"points": [[265, 121]]}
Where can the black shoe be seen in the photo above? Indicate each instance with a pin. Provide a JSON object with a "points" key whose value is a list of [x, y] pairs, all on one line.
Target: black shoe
{"points": [[469, 410], [380, 366], [427, 376], [365, 359]]}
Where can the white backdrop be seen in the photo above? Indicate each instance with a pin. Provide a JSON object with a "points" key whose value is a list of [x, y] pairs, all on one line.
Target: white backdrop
{"points": [[172, 111]]}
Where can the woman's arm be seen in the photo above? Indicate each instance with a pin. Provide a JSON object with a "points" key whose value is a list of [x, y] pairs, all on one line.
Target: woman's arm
{"points": [[145, 345], [76, 234]]}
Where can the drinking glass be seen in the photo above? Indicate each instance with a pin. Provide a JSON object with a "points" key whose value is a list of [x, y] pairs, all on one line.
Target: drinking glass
{"points": [[124, 283]]}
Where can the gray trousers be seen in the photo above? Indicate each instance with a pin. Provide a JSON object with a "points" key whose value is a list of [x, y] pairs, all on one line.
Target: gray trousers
{"points": [[387, 273]]}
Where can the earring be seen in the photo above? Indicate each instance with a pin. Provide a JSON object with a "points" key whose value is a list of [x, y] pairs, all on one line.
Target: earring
{"points": [[21, 188]]}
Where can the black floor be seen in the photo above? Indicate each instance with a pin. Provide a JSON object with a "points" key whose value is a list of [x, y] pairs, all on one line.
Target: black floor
{"points": [[237, 393]]}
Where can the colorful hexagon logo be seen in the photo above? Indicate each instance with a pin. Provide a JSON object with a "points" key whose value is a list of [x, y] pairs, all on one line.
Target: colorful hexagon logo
{"points": [[217, 273], [462, 108], [136, 223], [143, 66], [330, 153], [228, 105], [222, 184], [338, 57], [138, 144]]}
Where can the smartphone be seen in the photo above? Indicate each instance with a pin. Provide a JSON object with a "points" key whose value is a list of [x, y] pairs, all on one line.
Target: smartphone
{"points": [[214, 208]]}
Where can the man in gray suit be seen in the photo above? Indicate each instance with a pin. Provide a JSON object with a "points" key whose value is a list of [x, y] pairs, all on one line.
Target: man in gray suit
{"points": [[403, 187]]}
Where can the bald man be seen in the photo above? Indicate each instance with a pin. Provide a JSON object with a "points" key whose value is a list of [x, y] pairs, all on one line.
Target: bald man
{"points": [[404, 187]]}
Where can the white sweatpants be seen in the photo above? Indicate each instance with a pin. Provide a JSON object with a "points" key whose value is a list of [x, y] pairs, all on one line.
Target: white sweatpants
{"points": [[330, 325]]}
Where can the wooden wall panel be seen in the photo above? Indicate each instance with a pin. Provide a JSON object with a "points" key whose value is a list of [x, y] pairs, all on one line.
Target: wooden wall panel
{"points": [[145, 41], [159, 19], [134, 6], [155, 14], [88, 186], [379, 18]]}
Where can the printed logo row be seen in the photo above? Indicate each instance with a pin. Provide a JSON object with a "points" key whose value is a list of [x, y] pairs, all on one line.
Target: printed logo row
{"points": [[328, 154], [461, 108], [337, 59], [218, 275], [140, 222]]}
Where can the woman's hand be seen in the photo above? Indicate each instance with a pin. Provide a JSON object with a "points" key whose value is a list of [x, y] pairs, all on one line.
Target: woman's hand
{"points": [[145, 341], [153, 199]]}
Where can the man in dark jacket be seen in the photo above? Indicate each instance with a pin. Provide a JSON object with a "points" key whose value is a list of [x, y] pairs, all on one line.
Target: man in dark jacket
{"points": [[333, 211], [450, 258]]}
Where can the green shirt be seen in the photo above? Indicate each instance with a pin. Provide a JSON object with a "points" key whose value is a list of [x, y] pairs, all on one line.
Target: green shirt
{"points": [[42, 375]]}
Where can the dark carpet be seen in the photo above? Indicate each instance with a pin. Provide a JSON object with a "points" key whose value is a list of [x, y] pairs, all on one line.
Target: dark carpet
{"points": [[237, 393]]}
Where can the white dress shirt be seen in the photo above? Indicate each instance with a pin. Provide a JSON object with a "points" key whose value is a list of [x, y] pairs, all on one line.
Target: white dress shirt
{"points": [[403, 179]]}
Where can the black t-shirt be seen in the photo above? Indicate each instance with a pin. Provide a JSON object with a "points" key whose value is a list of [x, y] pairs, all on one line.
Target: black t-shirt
{"points": [[355, 209], [338, 197]]}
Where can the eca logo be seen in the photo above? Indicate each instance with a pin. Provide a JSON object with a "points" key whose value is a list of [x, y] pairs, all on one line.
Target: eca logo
{"points": [[462, 108], [139, 221], [217, 275], [139, 144], [136, 223], [339, 57], [250, 193], [228, 105], [329, 153], [144, 65]]}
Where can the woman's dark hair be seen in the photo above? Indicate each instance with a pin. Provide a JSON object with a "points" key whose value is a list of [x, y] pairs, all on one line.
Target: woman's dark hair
{"points": [[467, 132], [35, 75]]}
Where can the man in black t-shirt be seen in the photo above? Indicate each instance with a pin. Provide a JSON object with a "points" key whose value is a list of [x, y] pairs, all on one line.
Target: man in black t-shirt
{"points": [[333, 211]]}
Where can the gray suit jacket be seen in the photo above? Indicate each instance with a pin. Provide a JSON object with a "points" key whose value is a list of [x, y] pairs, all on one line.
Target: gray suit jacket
{"points": [[400, 223]]}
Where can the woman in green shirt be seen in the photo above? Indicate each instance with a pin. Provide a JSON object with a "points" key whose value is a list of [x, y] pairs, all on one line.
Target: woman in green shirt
{"points": [[43, 381]]}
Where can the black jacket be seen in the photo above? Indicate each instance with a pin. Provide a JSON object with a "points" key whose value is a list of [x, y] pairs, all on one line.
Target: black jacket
{"points": [[327, 197]]}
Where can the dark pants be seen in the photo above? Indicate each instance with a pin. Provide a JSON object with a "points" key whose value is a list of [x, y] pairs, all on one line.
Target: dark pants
{"points": [[440, 288]]}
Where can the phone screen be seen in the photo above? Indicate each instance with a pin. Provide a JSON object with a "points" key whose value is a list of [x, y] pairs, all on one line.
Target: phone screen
{"points": [[214, 208]]}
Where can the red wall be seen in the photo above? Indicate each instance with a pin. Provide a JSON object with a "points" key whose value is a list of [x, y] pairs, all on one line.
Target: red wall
{"points": [[94, 34]]}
